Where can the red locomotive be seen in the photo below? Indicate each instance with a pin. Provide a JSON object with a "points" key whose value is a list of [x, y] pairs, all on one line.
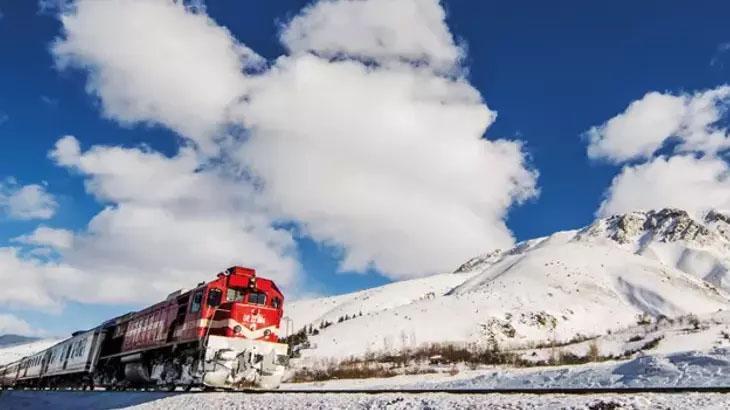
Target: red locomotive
{"points": [[221, 334]]}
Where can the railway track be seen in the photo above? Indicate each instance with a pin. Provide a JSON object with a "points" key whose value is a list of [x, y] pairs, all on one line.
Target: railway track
{"points": [[522, 391], [539, 391]]}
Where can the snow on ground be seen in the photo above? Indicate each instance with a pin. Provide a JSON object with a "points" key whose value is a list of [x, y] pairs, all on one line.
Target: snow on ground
{"points": [[686, 369], [689, 333], [395, 401], [689, 369], [677, 369], [693, 352], [12, 353]]}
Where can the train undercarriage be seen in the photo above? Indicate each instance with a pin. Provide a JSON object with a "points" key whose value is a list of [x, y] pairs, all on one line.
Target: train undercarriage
{"points": [[223, 363]]}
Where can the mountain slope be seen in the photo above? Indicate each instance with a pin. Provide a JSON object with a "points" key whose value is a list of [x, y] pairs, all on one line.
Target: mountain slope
{"points": [[370, 301], [588, 281], [11, 353], [9, 339]]}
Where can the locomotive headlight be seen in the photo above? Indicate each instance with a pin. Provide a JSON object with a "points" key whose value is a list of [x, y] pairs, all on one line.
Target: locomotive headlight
{"points": [[267, 332], [237, 329]]}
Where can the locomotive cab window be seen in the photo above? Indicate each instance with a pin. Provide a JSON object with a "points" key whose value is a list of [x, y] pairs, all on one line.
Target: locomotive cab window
{"points": [[197, 299], [257, 298]]}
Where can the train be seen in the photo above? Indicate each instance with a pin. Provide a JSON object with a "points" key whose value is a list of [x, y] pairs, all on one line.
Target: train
{"points": [[222, 334]]}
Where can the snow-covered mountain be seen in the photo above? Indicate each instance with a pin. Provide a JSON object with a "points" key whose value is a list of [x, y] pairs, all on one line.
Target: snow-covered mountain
{"points": [[11, 339], [673, 237], [12, 352], [580, 282]]}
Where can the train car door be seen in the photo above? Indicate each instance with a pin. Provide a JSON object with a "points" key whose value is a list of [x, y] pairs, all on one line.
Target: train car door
{"points": [[66, 354], [191, 320], [45, 361]]}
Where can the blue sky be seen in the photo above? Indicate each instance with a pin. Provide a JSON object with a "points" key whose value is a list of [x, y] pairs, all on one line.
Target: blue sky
{"points": [[550, 71]]}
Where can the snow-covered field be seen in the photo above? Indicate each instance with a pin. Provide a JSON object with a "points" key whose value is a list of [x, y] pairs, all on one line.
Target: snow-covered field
{"points": [[68, 401], [686, 369], [678, 369]]}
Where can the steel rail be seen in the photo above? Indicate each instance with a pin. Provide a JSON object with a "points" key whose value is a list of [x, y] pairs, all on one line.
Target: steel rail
{"points": [[461, 391]]}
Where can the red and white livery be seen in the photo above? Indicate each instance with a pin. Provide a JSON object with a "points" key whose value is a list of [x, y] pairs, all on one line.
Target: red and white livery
{"points": [[221, 334]]}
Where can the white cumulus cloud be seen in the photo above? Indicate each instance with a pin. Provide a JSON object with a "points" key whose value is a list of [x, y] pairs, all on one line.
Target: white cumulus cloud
{"points": [[681, 181], [45, 236], [13, 325], [169, 221], [156, 62], [27, 281], [26, 201], [693, 176], [389, 164], [367, 136], [382, 30], [649, 122], [640, 130]]}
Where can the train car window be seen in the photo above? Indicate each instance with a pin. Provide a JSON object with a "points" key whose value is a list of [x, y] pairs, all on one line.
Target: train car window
{"points": [[275, 303], [257, 298], [214, 297], [197, 299]]}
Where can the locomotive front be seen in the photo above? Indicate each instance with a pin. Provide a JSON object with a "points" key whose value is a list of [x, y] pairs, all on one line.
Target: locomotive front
{"points": [[240, 330]]}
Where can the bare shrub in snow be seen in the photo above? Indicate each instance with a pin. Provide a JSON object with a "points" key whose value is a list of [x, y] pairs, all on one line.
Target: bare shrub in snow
{"points": [[577, 338], [651, 344], [341, 370], [594, 353], [643, 319]]}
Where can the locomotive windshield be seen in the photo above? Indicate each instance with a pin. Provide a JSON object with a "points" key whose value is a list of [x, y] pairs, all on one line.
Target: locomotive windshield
{"points": [[258, 298], [235, 294], [244, 295]]}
